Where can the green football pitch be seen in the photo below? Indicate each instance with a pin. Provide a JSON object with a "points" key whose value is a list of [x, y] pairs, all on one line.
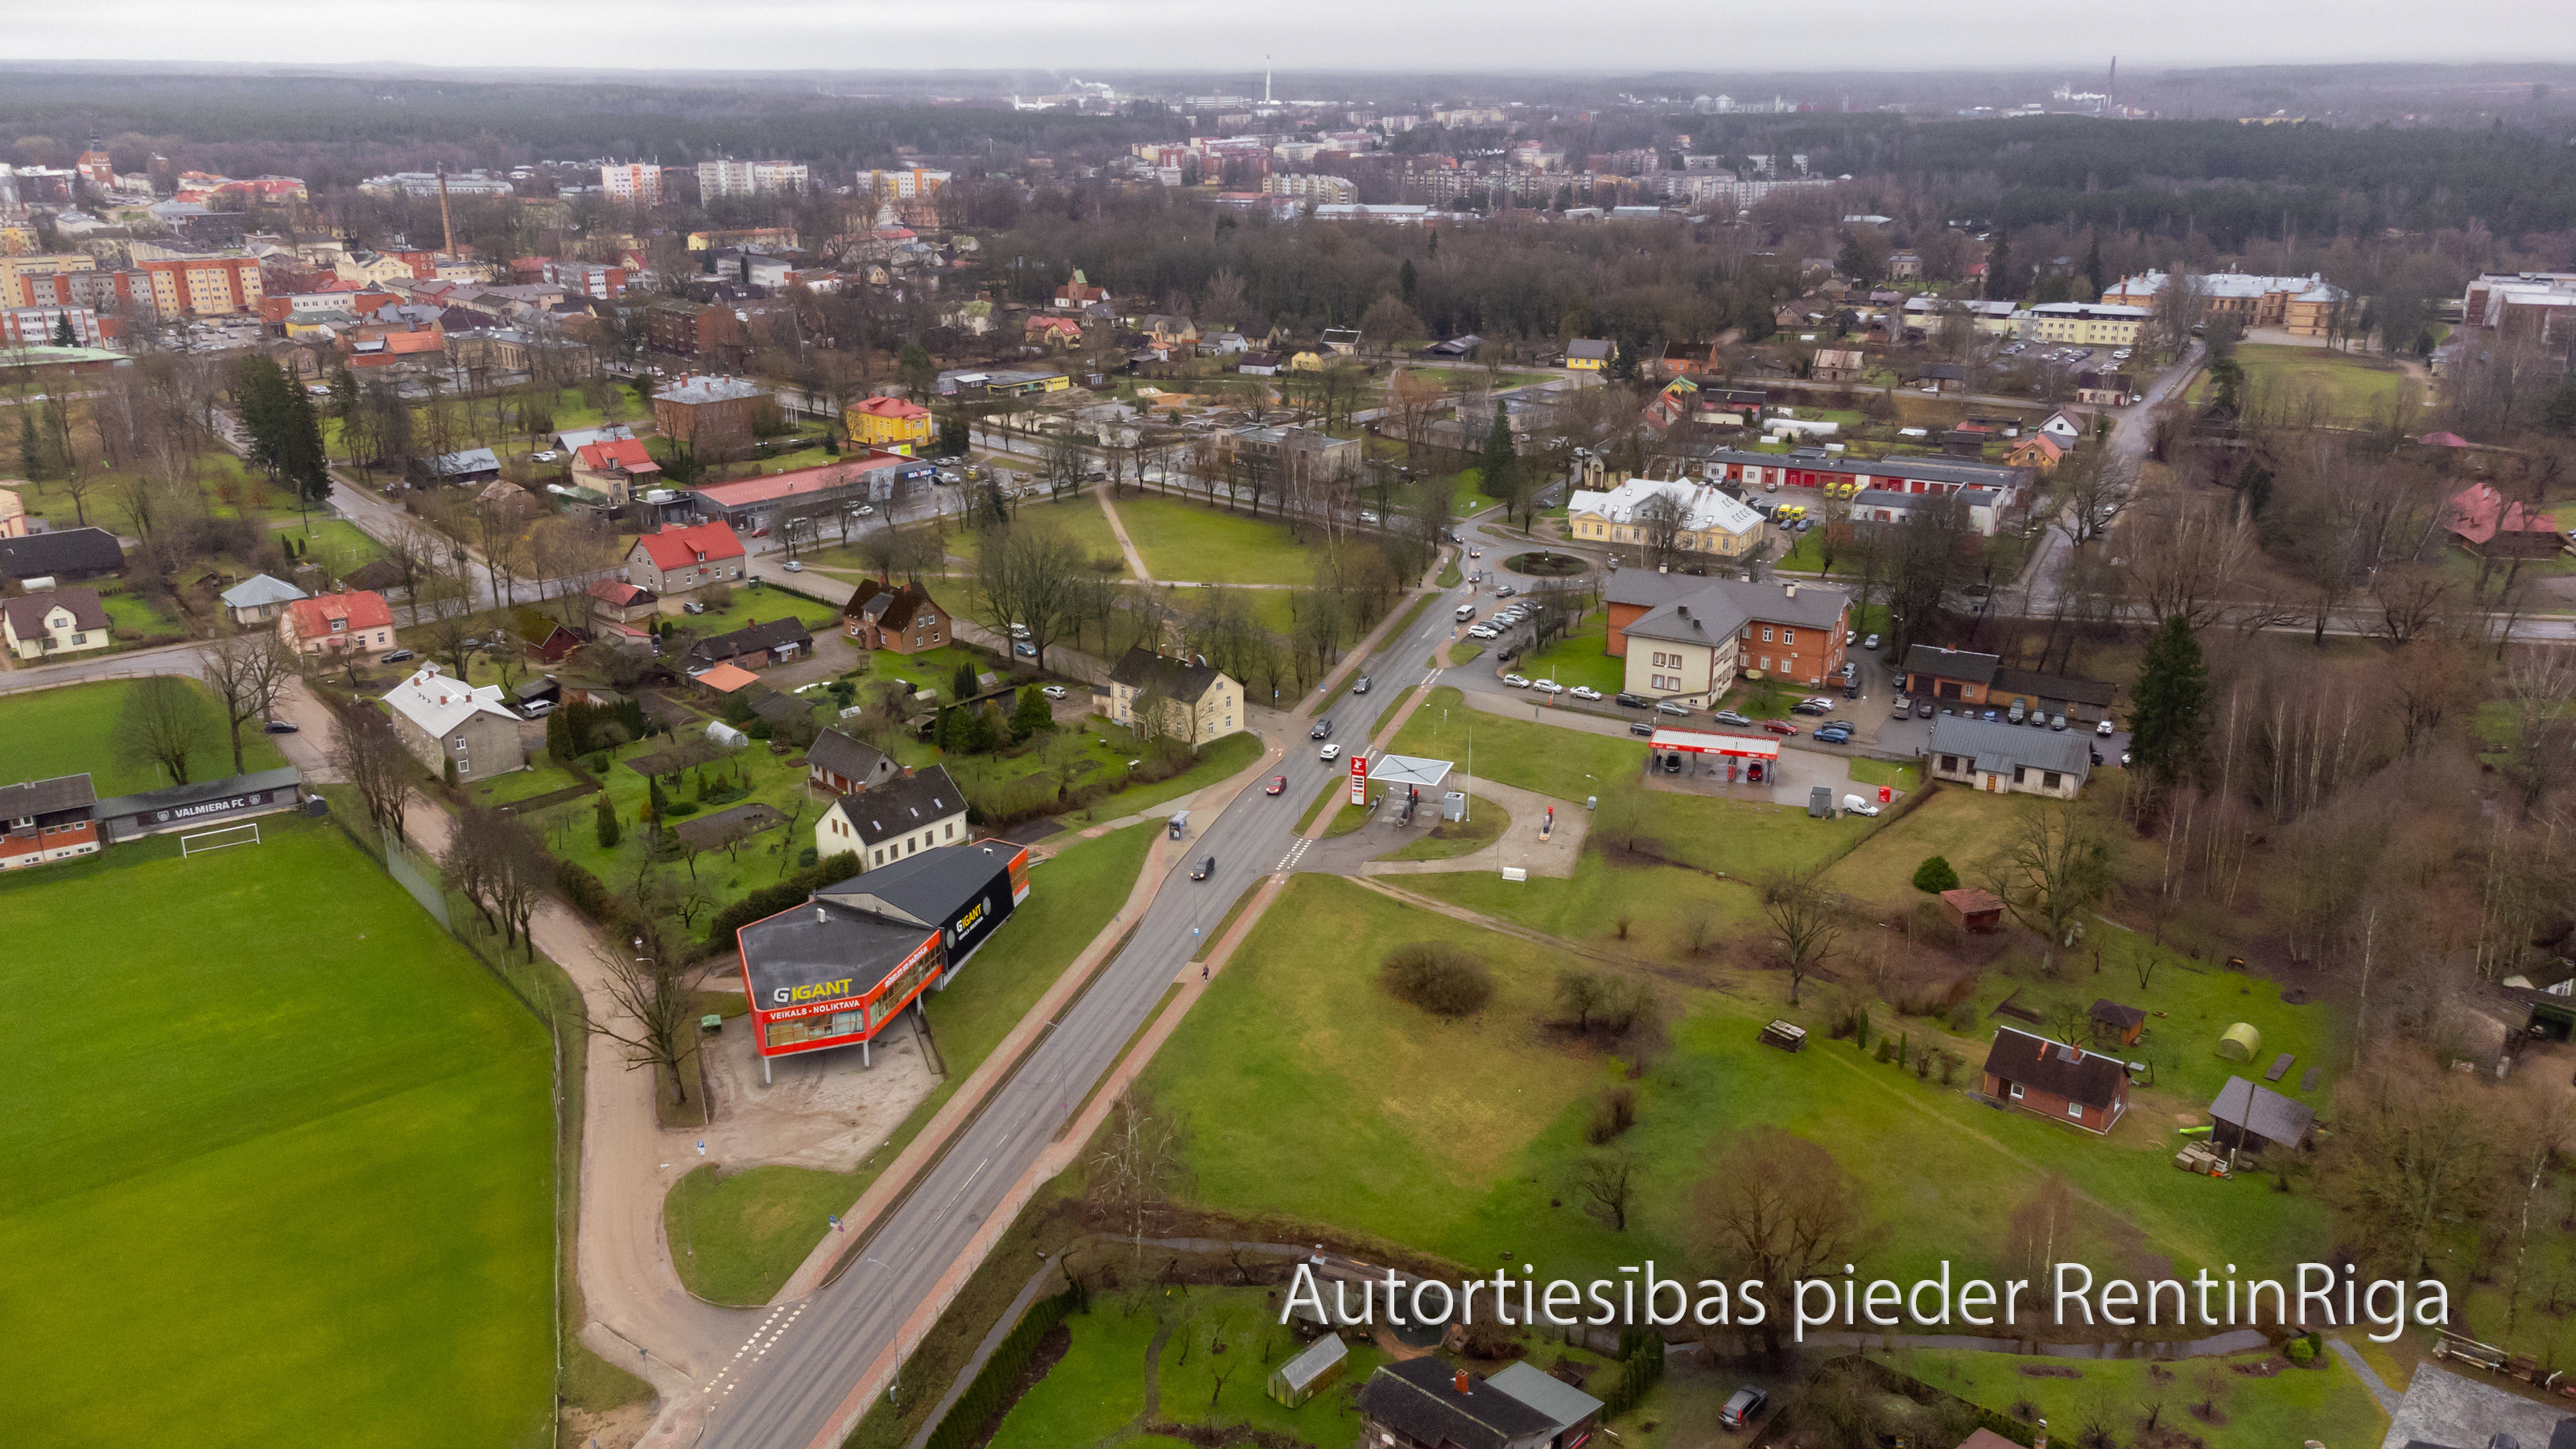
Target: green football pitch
{"points": [[279, 1159]]}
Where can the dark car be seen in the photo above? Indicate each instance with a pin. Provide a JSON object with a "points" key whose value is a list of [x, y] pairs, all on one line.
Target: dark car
{"points": [[1361, 687], [1323, 730], [1632, 701], [281, 727], [1743, 1408], [1833, 737], [1672, 764], [1923, 710], [1809, 706], [1205, 868], [397, 657], [2097, 756], [1646, 727]]}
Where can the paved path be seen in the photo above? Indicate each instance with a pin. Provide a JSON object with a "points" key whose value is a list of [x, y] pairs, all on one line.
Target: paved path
{"points": [[1520, 844], [2388, 1398]]}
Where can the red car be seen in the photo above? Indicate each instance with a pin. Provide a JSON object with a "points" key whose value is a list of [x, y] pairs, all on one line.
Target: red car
{"points": [[1779, 727], [1278, 783]]}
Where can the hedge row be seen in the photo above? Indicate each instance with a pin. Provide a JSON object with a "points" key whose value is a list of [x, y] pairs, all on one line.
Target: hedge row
{"points": [[989, 1394], [1641, 1367]]}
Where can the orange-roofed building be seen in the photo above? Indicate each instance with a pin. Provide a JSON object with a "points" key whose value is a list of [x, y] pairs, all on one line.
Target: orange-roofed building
{"points": [[681, 561], [337, 623], [890, 422], [726, 678], [2488, 524], [615, 467]]}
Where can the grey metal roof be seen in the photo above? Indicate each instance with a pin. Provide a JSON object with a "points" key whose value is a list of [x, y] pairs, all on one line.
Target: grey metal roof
{"points": [[1801, 605], [63, 552], [2265, 1113], [1547, 1393], [177, 797], [1950, 663], [258, 590], [44, 797], [1999, 746], [849, 758]]}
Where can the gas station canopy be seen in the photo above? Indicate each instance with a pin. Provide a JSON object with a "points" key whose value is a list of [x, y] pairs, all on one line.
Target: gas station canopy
{"points": [[1397, 771], [1704, 742]]}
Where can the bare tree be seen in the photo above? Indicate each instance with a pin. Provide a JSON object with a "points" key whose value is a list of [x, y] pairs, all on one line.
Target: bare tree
{"points": [[246, 673], [1781, 1209], [368, 755], [2053, 868], [1609, 1179], [1808, 920], [1137, 1168], [165, 721], [2412, 1144], [648, 981]]}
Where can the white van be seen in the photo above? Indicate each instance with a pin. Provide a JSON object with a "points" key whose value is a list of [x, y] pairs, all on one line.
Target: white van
{"points": [[1466, 612]]}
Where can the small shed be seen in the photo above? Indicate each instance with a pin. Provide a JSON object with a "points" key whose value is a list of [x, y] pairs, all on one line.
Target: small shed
{"points": [[1300, 1378], [2240, 1043], [2249, 1118], [1974, 909], [2124, 1024]]}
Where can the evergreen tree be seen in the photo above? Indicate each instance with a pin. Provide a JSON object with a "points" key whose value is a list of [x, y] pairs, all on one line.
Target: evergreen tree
{"points": [[2093, 265], [655, 802], [1852, 262], [2258, 490], [35, 460], [607, 822], [1405, 280], [1034, 714], [1999, 268], [955, 437], [917, 370], [2169, 718], [2560, 415], [961, 685], [1499, 458], [63, 331], [300, 458], [264, 399], [1936, 875]]}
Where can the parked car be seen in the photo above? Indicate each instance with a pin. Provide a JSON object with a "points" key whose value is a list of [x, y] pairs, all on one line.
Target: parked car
{"points": [[397, 657], [2104, 728], [1870, 643], [793, 567], [1484, 631], [1584, 691], [1728, 716], [2014, 715], [1855, 805], [1903, 708], [1205, 868], [1329, 753], [2057, 721], [281, 727], [1780, 727], [1366, 516], [1278, 784], [1632, 701], [1515, 681], [1666, 706], [1505, 592], [1923, 709], [1743, 1407], [1990, 716], [865, 510], [1025, 650], [1833, 737], [1053, 691], [2124, 759], [2097, 757], [1644, 727], [692, 606], [1673, 763], [1547, 686], [1019, 631], [547, 456], [1323, 730], [1812, 706], [1850, 637]]}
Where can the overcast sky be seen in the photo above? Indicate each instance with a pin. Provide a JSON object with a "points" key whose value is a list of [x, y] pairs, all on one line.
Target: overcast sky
{"points": [[1340, 35]]}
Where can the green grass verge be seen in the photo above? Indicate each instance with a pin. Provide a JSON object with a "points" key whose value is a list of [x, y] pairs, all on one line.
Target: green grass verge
{"points": [[751, 1229], [1578, 659], [1218, 760], [1338, 788], [1886, 772], [309, 1184], [72, 729]]}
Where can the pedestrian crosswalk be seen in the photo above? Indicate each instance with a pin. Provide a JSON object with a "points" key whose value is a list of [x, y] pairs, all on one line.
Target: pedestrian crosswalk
{"points": [[1296, 853]]}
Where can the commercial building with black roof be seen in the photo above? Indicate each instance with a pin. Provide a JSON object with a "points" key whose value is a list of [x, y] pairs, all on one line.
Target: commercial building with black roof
{"points": [[838, 969]]}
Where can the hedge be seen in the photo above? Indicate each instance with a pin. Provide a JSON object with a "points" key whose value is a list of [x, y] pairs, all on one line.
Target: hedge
{"points": [[989, 1395]]}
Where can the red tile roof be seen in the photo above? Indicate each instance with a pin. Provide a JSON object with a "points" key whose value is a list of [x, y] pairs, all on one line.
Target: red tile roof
{"points": [[625, 454], [2479, 513], [675, 548], [890, 407], [360, 609]]}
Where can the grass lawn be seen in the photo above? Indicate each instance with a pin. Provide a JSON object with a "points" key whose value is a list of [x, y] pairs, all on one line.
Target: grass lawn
{"points": [[1484, 824], [2327, 1405], [1886, 772], [1099, 1385], [138, 621], [1568, 764], [752, 606], [752, 1228], [2353, 387], [541, 778], [1188, 541], [337, 545], [1219, 759], [1578, 658], [66, 731], [299, 1224], [1315, 1096]]}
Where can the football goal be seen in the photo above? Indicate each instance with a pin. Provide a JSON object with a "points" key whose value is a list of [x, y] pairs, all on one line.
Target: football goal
{"points": [[205, 840]]}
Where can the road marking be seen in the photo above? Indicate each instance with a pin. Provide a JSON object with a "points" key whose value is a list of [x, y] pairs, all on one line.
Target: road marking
{"points": [[969, 1182], [1295, 853]]}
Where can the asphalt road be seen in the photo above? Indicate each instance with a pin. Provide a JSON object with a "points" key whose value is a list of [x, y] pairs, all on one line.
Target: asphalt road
{"points": [[789, 1394]]}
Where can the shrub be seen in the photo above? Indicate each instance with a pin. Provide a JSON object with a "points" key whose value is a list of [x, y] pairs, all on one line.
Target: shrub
{"points": [[678, 808], [1615, 1113], [767, 901], [1886, 1049], [583, 889], [1438, 977], [1932, 926], [2303, 1351], [806, 857], [605, 825], [1934, 875]]}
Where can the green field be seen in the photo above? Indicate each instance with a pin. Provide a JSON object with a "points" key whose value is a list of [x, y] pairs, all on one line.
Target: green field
{"points": [[299, 1182], [1188, 541], [1099, 1385], [2326, 1405], [68, 730], [752, 1228], [1578, 658], [2351, 388], [1461, 1138]]}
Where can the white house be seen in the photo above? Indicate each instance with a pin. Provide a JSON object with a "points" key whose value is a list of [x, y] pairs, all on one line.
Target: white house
{"points": [[443, 720], [61, 621], [889, 822], [1709, 521]]}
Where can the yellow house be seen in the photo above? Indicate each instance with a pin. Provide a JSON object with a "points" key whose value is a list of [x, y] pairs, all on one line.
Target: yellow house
{"points": [[889, 422], [1307, 362], [1590, 354], [2083, 324]]}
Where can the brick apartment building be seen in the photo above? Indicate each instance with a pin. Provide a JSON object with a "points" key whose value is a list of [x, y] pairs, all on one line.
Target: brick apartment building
{"points": [[713, 416], [694, 330]]}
